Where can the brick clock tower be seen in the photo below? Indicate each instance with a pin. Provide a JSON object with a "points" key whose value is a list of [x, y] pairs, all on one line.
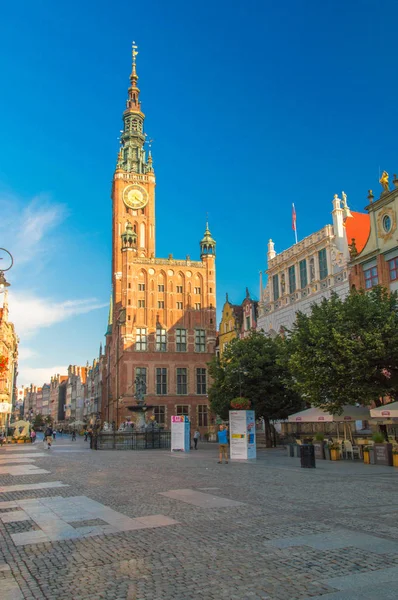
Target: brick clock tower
{"points": [[162, 320]]}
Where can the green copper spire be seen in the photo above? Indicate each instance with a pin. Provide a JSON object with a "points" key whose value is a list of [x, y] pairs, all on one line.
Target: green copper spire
{"points": [[207, 244], [110, 316], [132, 153]]}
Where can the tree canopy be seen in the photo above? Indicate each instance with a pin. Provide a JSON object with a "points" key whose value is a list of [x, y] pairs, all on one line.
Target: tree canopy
{"points": [[254, 368], [346, 351]]}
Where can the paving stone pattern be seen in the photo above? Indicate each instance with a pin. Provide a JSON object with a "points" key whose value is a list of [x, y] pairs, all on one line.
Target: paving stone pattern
{"points": [[178, 527]]}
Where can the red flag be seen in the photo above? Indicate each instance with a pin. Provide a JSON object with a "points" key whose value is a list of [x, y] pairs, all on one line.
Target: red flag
{"points": [[294, 218]]}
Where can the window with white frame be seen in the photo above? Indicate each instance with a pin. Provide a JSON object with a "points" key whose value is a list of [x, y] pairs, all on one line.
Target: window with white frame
{"points": [[179, 305], [161, 341], [159, 413], [203, 415], [140, 376], [197, 290], [197, 305], [181, 340], [201, 381], [141, 339], [161, 381], [200, 340], [182, 381]]}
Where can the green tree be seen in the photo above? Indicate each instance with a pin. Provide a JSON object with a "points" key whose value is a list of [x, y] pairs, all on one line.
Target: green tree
{"points": [[254, 368], [38, 421], [346, 351]]}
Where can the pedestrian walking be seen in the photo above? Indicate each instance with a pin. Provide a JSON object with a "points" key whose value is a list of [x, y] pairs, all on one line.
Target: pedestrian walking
{"points": [[54, 434], [48, 436], [196, 438], [32, 435], [73, 436], [222, 435], [85, 435]]}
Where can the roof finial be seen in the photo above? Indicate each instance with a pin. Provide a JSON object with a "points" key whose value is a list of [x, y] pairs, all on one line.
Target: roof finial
{"points": [[134, 53]]}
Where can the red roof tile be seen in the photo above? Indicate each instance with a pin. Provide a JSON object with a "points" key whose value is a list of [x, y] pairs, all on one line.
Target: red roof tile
{"points": [[358, 228]]}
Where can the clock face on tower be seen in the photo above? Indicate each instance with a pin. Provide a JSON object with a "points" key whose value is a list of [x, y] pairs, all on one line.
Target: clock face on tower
{"points": [[135, 196]]}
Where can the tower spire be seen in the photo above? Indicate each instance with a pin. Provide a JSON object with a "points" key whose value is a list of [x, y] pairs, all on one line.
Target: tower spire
{"points": [[133, 102], [131, 157]]}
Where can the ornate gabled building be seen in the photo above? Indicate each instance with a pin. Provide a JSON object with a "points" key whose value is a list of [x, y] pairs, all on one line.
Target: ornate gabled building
{"points": [[237, 321], [376, 262], [8, 364], [162, 325], [310, 270]]}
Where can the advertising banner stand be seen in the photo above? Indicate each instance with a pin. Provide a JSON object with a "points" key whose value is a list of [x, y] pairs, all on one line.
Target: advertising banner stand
{"points": [[242, 431], [180, 434]]}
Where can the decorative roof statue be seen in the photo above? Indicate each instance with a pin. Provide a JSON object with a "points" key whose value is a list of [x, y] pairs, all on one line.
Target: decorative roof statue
{"points": [[384, 181]]}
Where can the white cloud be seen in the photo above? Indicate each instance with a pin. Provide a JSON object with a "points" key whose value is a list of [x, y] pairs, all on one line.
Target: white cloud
{"points": [[26, 228], [39, 375], [30, 313], [24, 352]]}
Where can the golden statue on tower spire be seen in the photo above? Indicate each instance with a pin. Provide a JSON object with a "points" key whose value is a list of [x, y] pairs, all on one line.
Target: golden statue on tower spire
{"points": [[134, 53]]}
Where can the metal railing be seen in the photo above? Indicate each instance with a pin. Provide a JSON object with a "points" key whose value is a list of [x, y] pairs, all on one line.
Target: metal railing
{"points": [[131, 440]]}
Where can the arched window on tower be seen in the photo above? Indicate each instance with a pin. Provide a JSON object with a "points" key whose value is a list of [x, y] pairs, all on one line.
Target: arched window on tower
{"points": [[142, 235]]}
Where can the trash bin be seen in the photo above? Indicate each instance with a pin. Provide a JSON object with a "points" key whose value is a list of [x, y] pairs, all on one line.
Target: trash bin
{"points": [[307, 456]]}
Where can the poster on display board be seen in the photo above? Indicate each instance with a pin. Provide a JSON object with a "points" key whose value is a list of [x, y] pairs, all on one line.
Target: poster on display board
{"points": [[242, 430], [180, 434]]}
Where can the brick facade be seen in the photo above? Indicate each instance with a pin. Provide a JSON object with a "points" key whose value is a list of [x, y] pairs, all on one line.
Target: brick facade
{"points": [[163, 310]]}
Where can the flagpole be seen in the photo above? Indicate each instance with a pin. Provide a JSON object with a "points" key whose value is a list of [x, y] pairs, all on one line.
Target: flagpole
{"points": [[294, 221]]}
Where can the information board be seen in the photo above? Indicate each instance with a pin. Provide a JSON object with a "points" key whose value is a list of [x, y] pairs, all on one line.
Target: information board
{"points": [[242, 428], [180, 434]]}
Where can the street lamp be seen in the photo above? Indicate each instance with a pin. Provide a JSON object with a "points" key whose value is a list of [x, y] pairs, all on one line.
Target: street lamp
{"points": [[121, 320]]}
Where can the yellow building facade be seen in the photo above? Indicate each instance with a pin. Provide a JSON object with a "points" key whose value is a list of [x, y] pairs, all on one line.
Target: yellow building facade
{"points": [[8, 354]]}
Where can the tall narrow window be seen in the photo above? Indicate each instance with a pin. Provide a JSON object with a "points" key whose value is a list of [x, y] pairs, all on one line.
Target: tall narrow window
{"points": [[161, 343], [179, 305], [141, 303], [141, 339], [393, 268], [200, 340], [161, 381], [371, 278], [275, 286], [201, 381], [182, 381], [292, 279], [202, 415], [312, 269], [303, 273], [197, 290], [140, 376], [160, 303], [247, 323], [161, 288], [159, 413], [141, 287], [181, 340], [323, 265], [179, 289]]}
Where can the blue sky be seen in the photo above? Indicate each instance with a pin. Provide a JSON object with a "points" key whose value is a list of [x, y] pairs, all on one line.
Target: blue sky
{"points": [[252, 105]]}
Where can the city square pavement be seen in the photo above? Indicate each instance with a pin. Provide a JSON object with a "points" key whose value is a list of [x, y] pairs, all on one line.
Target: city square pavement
{"points": [[151, 525]]}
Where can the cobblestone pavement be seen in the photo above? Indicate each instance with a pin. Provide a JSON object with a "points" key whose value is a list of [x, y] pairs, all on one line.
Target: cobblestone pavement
{"points": [[154, 526]]}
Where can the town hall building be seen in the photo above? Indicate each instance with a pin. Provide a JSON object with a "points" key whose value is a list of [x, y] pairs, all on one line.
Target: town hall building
{"points": [[162, 321]]}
